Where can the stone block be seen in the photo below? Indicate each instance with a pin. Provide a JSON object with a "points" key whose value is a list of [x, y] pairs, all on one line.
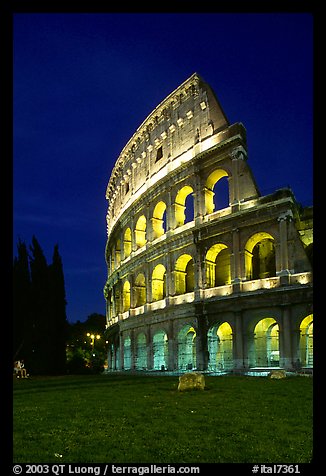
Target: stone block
{"points": [[277, 374], [191, 381]]}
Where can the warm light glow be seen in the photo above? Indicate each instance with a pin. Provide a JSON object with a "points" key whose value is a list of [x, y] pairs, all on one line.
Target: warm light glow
{"points": [[180, 204], [158, 282], [140, 231], [213, 178]]}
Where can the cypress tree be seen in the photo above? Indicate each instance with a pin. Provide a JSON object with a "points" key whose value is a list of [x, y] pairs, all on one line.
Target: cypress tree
{"points": [[41, 338], [58, 319], [22, 311]]}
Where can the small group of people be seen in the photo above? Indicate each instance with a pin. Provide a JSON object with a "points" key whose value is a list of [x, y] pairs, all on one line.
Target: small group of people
{"points": [[20, 370]]}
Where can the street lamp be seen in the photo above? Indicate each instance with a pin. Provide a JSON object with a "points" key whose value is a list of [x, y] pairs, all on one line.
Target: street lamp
{"points": [[93, 337]]}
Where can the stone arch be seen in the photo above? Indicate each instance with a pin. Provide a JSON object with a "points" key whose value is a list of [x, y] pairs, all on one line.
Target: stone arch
{"points": [[158, 283], [160, 350], [220, 347], [180, 209], [140, 290], [187, 348], [184, 274], [306, 345], [140, 231], [260, 256], [159, 219], [126, 296], [141, 352], [127, 243], [127, 353], [118, 253], [265, 350], [217, 266], [210, 185]]}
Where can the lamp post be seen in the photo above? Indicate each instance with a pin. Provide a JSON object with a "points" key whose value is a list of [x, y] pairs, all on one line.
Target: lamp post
{"points": [[93, 337]]}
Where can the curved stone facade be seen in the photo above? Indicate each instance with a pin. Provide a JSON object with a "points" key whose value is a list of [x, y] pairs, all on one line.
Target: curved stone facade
{"points": [[203, 271]]}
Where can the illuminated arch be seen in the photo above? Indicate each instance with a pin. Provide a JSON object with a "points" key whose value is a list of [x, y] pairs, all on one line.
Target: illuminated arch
{"points": [[266, 343], [160, 350], [126, 296], [184, 274], [159, 219], [187, 348], [118, 253], [140, 290], [260, 256], [158, 283], [140, 231], [180, 205], [217, 266], [306, 341], [141, 352], [220, 347], [127, 243], [211, 181], [127, 353]]}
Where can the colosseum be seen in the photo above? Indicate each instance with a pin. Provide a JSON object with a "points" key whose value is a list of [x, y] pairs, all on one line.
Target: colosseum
{"points": [[204, 272]]}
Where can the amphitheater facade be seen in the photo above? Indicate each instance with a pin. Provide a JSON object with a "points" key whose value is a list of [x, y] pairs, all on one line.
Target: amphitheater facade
{"points": [[204, 272]]}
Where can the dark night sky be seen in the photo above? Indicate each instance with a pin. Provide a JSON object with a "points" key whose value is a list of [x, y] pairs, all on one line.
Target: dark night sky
{"points": [[84, 82]]}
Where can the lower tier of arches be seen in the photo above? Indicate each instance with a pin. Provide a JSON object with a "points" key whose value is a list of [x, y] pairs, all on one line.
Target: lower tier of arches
{"points": [[265, 338]]}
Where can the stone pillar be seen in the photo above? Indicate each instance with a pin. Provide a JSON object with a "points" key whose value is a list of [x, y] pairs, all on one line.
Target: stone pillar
{"points": [[238, 352], [283, 248], [236, 261], [121, 352], [201, 339], [285, 338], [235, 193]]}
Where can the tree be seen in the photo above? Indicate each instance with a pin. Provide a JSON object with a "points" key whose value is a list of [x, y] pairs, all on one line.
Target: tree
{"points": [[22, 305]]}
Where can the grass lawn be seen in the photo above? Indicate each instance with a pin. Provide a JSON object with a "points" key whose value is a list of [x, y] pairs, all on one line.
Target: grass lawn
{"points": [[144, 419]]}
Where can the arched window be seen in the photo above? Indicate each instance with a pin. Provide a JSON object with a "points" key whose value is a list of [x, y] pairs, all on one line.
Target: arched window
{"points": [[158, 283], [140, 290], [187, 348], [127, 353], [140, 231], [141, 352], [126, 296], [213, 203], [160, 350], [184, 274], [306, 342], [159, 219], [217, 266], [220, 347], [127, 243], [180, 205], [266, 343], [260, 256], [118, 253]]}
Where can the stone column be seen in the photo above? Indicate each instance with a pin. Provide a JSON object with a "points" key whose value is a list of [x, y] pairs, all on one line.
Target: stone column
{"points": [[284, 258], [235, 193], [285, 338], [236, 261], [238, 355]]}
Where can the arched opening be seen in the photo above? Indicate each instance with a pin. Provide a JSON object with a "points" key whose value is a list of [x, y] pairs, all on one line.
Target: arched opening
{"points": [[158, 283], [159, 220], [218, 266], [141, 352], [266, 343], [126, 296], [140, 290], [220, 347], [306, 342], [118, 253], [184, 274], [187, 348], [140, 231], [160, 350], [260, 256], [180, 205], [211, 188], [127, 353], [127, 243]]}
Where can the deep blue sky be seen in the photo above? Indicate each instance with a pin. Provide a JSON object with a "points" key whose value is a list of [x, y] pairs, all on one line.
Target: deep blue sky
{"points": [[83, 83]]}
